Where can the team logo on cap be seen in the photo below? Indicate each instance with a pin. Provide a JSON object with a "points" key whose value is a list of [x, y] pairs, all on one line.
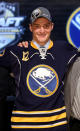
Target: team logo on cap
{"points": [[73, 28], [36, 13], [42, 81]]}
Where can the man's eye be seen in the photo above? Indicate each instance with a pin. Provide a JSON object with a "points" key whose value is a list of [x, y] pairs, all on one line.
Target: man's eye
{"points": [[36, 26], [46, 26]]}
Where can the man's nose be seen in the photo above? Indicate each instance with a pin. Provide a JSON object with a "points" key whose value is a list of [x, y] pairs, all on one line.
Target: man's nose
{"points": [[42, 29]]}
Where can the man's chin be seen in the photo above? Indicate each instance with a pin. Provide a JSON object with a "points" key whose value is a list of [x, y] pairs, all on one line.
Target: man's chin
{"points": [[42, 41]]}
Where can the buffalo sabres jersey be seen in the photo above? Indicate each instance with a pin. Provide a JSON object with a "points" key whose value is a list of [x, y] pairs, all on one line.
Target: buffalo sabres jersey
{"points": [[39, 74]]}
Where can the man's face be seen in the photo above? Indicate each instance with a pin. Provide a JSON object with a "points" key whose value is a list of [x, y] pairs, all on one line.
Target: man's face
{"points": [[41, 30]]}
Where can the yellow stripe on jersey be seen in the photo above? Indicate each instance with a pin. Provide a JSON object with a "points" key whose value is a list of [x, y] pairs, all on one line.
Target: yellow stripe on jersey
{"points": [[38, 119], [39, 112], [39, 126]]}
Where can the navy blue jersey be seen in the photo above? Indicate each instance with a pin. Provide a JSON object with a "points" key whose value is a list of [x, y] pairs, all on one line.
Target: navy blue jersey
{"points": [[39, 103]]}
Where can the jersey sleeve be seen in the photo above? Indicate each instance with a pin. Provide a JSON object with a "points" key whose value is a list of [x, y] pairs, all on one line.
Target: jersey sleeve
{"points": [[5, 59]]}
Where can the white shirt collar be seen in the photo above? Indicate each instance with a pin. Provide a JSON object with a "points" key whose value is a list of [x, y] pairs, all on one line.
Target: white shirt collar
{"points": [[38, 46]]}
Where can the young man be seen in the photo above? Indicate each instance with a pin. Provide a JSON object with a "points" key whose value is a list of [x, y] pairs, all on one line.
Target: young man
{"points": [[39, 73]]}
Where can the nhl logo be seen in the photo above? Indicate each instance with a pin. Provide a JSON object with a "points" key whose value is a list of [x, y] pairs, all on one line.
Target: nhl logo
{"points": [[42, 51], [10, 24]]}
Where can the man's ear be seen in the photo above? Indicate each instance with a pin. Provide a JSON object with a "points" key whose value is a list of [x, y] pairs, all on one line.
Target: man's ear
{"points": [[52, 26], [30, 27]]}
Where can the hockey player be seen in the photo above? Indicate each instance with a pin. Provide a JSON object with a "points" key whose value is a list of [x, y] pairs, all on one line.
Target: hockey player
{"points": [[39, 72]]}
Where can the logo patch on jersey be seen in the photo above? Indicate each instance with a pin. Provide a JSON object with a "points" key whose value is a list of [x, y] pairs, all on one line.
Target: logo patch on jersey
{"points": [[42, 80], [25, 56], [42, 51], [73, 28]]}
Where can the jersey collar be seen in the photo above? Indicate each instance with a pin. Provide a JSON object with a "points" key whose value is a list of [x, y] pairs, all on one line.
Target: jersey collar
{"points": [[48, 45]]}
